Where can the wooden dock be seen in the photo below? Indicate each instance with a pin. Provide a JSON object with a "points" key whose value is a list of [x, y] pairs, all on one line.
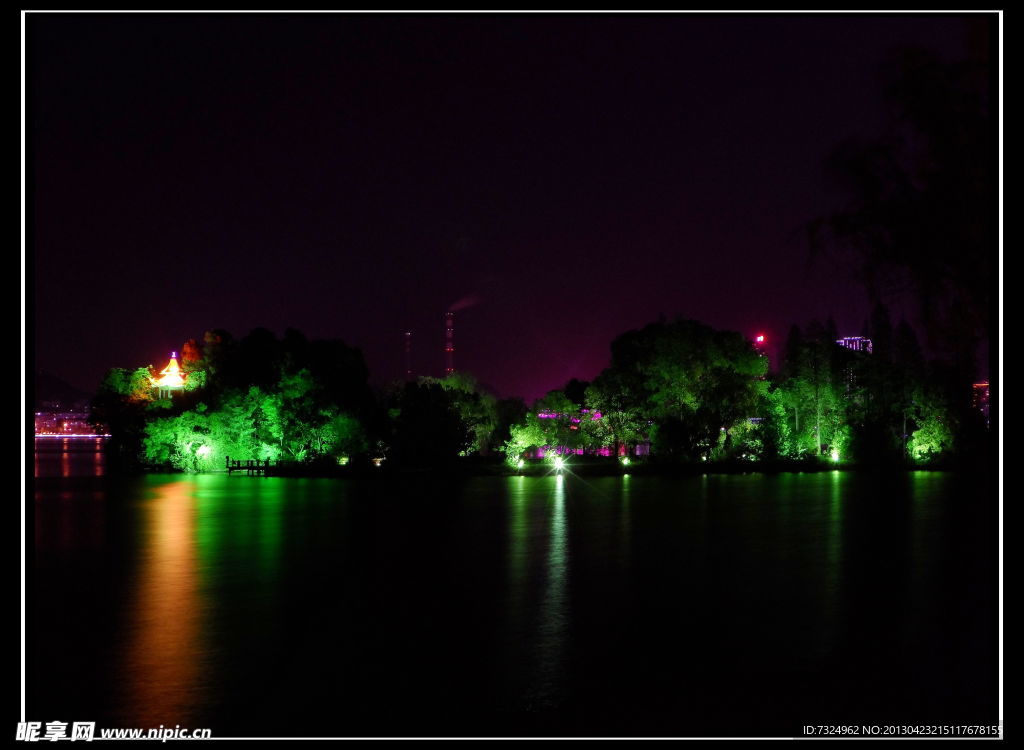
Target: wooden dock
{"points": [[267, 467], [250, 466]]}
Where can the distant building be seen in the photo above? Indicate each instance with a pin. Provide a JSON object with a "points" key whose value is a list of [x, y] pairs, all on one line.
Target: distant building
{"points": [[979, 399], [856, 343], [67, 423]]}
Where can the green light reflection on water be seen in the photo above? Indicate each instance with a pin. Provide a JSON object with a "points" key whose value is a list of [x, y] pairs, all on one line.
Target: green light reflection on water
{"points": [[209, 532], [270, 496], [625, 517], [536, 630], [554, 617], [558, 560], [832, 520], [246, 525], [518, 534], [927, 489], [834, 543]]}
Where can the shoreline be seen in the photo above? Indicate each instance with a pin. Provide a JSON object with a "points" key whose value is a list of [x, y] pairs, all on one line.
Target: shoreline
{"points": [[499, 469]]}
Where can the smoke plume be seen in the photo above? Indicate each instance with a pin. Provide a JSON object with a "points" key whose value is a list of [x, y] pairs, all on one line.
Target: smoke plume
{"points": [[470, 300]]}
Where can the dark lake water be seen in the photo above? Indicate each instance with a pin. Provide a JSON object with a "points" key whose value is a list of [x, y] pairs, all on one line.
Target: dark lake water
{"points": [[708, 605]]}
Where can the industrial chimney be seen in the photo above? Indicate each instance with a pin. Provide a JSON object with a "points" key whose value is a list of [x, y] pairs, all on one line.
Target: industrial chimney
{"points": [[449, 343]]}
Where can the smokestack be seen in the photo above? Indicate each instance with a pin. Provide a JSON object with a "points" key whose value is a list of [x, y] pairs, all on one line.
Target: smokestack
{"points": [[449, 343], [408, 356]]}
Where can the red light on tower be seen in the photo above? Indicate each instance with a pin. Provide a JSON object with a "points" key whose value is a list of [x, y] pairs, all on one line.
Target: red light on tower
{"points": [[760, 342]]}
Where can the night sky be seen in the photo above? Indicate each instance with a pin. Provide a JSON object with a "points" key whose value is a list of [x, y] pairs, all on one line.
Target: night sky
{"points": [[561, 178]]}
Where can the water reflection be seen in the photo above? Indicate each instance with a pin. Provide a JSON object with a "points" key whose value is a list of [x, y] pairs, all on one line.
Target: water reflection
{"points": [[69, 457], [163, 682], [99, 458], [623, 525], [832, 579], [230, 601], [554, 613], [536, 612], [518, 530], [245, 526]]}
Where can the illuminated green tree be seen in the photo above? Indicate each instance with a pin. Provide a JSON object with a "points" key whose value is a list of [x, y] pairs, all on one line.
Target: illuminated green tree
{"points": [[260, 398], [509, 411], [621, 421], [695, 384], [122, 404], [558, 412], [527, 435], [477, 408], [934, 435], [344, 435], [816, 392], [778, 438]]}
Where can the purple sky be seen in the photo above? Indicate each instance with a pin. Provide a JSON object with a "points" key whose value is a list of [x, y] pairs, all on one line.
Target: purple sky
{"points": [[569, 177]]}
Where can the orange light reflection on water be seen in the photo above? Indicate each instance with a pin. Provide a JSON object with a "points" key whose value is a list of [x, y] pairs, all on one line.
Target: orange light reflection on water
{"points": [[161, 675]]}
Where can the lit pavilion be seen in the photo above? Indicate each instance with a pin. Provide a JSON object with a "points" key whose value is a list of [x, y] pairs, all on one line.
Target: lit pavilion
{"points": [[170, 379]]}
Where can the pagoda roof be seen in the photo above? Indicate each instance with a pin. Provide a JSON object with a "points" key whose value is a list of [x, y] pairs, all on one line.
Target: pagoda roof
{"points": [[170, 376]]}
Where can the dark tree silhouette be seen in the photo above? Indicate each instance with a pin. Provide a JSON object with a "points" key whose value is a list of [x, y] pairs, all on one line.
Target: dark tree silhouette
{"points": [[922, 211]]}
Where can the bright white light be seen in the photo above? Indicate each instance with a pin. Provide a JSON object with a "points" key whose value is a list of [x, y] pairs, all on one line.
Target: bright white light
{"points": [[203, 450], [521, 463], [559, 463], [835, 456]]}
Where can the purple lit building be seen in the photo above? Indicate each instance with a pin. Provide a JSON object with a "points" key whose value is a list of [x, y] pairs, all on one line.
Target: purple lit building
{"points": [[856, 343]]}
